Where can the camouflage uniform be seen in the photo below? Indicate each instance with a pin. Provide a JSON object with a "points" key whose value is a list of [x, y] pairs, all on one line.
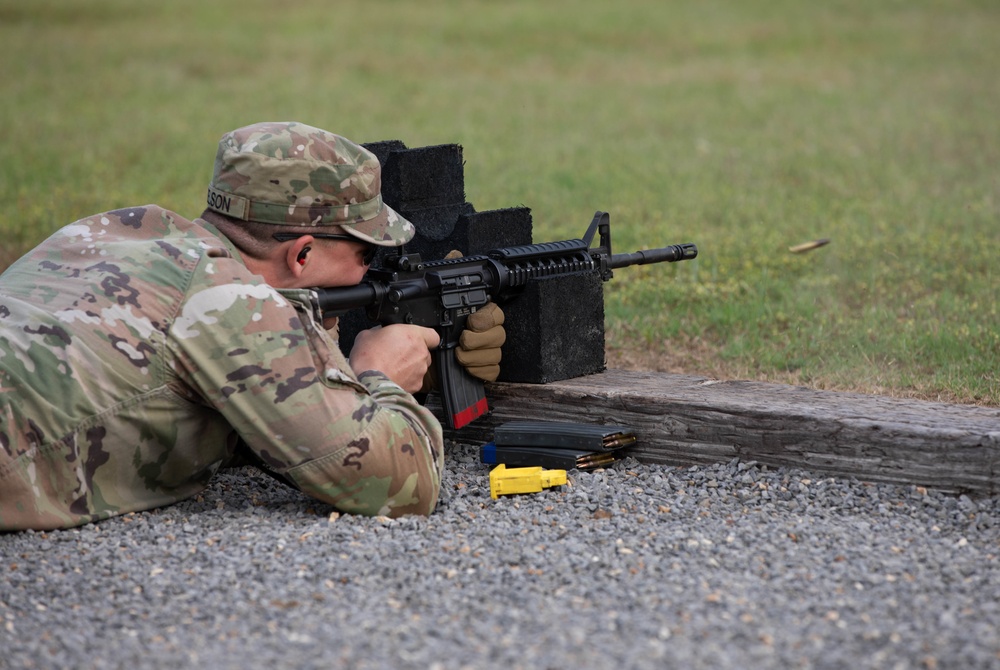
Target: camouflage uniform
{"points": [[136, 349]]}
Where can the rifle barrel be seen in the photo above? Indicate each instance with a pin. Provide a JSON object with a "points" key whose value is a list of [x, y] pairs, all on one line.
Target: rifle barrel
{"points": [[675, 252]]}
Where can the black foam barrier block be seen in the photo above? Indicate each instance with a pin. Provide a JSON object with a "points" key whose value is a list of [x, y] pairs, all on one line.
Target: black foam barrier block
{"points": [[435, 228], [434, 225], [555, 330], [470, 232], [480, 232], [425, 177], [383, 149]]}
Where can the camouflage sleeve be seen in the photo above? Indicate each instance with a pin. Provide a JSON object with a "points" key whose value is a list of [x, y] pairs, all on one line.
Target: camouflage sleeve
{"points": [[262, 360]]}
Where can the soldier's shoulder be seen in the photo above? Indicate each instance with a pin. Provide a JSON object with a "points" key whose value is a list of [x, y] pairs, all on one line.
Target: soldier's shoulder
{"points": [[143, 216]]}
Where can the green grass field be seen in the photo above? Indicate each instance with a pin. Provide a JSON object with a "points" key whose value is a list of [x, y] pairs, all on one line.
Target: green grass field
{"points": [[745, 126]]}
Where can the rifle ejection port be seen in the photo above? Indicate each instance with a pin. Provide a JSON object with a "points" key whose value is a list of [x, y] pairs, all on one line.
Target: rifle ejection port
{"points": [[474, 298]]}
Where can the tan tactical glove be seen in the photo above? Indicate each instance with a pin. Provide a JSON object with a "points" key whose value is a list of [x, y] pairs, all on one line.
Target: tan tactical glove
{"points": [[479, 344]]}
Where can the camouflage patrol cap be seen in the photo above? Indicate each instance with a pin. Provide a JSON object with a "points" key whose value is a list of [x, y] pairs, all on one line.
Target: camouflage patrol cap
{"points": [[288, 173]]}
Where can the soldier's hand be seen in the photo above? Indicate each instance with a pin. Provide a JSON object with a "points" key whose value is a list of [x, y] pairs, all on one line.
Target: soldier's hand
{"points": [[479, 344], [401, 351]]}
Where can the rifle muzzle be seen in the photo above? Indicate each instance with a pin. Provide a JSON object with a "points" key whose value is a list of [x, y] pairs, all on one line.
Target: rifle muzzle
{"points": [[673, 253]]}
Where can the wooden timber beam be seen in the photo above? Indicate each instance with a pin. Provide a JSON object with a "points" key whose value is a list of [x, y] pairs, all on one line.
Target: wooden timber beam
{"points": [[685, 420]]}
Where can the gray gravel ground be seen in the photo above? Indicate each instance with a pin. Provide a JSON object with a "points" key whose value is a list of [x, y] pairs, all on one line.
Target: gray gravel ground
{"points": [[635, 566]]}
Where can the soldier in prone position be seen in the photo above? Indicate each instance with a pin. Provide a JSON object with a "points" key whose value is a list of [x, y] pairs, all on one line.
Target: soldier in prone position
{"points": [[139, 350]]}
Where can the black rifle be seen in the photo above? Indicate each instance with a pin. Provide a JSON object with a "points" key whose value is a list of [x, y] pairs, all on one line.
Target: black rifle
{"points": [[442, 294]]}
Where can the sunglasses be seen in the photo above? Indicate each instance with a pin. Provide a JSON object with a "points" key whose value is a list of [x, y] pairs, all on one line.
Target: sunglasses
{"points": [[370, 249]]}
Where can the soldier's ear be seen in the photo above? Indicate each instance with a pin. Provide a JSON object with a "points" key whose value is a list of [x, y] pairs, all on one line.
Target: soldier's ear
{"points": [[297, 254]]}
